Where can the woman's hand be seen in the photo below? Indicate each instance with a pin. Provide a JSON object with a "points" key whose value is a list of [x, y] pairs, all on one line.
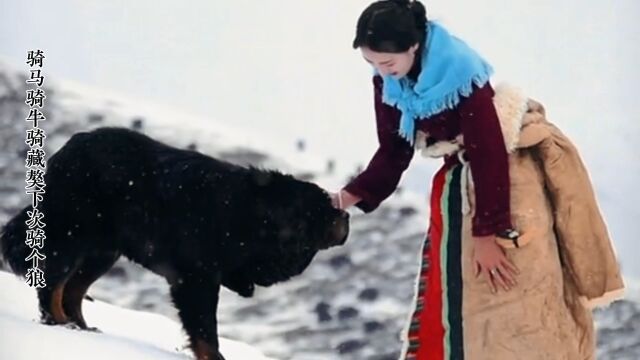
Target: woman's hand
{"points": [[492, 263], [343, 199]]}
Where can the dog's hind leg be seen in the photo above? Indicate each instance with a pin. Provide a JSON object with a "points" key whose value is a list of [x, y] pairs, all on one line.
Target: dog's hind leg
{"points": [[57, 269], [50, 299], [91, 270]]}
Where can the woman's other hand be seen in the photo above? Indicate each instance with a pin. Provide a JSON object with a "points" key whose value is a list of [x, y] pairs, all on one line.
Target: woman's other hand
{"points": [[492, 263]]}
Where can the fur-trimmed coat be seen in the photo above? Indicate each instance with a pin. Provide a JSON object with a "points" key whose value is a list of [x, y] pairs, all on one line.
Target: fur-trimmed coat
{"points": [[565, 256]]}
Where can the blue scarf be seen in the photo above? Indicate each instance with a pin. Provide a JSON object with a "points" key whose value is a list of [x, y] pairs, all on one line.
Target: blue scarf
{"points": [[449, 70]]}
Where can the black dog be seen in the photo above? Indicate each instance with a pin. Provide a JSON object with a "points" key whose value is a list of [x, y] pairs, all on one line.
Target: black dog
{"points": [[195, 220]]}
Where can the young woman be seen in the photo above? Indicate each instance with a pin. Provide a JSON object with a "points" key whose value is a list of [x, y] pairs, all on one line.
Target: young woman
{"points": [[493, 283]]}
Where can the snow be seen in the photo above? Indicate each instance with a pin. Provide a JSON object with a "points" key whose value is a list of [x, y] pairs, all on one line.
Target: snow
{"points": [[231, 89], [280, 85], [351, 328], [125, 334], [208, 134]]}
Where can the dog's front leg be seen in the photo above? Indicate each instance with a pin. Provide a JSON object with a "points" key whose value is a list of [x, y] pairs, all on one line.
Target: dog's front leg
{"points": [[196, 299]]}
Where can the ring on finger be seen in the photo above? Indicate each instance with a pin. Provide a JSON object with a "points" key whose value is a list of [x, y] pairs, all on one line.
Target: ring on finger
{"points": [[493, 271]]}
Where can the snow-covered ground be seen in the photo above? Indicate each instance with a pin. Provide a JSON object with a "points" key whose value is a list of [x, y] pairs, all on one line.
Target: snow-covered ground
{"points": [[350, 303], [249, 79], [350, 295], [124, 334]]}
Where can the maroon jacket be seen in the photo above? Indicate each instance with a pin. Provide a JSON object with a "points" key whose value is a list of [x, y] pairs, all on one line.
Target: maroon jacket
{"points": [[475, 117]]}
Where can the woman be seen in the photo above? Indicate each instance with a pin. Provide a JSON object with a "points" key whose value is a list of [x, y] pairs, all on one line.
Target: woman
{"points": [[503, 272]]}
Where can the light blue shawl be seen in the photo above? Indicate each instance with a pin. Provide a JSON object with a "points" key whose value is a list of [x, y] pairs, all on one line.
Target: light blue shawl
{"points": [[449, 69]]}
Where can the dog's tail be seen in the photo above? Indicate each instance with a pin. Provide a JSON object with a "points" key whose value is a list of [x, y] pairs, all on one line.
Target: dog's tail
{"points": [[12, 242]]}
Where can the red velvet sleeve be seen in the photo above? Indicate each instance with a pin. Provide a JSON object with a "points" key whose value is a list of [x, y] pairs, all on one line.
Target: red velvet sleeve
{"points": [[488, 159], [382, 175]]}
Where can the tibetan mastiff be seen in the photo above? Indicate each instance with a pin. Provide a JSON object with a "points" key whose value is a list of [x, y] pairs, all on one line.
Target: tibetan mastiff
{"points": [[197, 221]]}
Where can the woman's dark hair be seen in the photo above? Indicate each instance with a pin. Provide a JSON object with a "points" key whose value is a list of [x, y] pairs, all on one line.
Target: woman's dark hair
{"points": [[391, 26]]}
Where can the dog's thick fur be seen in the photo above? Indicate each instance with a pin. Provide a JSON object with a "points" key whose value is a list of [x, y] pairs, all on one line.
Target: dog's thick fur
{"points": [[195, 220]]}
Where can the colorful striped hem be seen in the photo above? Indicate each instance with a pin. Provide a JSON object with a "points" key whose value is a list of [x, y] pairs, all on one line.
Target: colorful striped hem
{"points": [[435, 331]]}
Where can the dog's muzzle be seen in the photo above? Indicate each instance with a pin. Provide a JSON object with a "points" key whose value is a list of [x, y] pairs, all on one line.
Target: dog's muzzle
{"points": [[340, 231]]}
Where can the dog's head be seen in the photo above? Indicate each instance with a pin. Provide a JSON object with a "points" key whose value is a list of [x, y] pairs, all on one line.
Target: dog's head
{"points": [[299, 214], [293, 220]]}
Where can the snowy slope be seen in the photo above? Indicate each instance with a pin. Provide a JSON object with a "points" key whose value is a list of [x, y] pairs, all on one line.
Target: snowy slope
{"points": [[125, 334], [287, 68], [351, 302]]}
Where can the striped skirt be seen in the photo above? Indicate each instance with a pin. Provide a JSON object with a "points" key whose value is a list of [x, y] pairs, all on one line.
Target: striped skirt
{"points": [[435, 330], [457, 317]]}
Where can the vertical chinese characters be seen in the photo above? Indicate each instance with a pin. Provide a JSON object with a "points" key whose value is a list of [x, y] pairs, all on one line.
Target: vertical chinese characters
{"points": [[35, 164]]}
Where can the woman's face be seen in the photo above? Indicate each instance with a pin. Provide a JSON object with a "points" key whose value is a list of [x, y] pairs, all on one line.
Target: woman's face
{"points": [[397, 65]]}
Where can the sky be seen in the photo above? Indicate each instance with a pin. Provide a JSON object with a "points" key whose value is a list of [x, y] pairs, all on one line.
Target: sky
{"points": [[285, 70]]}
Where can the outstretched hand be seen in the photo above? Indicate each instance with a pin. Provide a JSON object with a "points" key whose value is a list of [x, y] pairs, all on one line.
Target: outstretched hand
{"points": [[343, 199]]}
